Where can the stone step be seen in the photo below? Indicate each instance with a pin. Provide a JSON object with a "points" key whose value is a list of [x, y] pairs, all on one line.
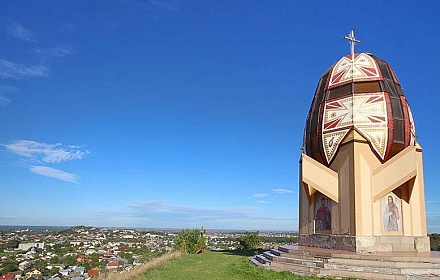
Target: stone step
{"points": [[297, 269], [269, 256], [357, 264], [361, 268], [301, 257], [276, 252], [410, 257], [291, 260], [388, 258], [421, 272], [424, 275], [303, 270], [255, 261], [360, 275], [287, 250], [262, 259], [380, 263], [340, 264]]}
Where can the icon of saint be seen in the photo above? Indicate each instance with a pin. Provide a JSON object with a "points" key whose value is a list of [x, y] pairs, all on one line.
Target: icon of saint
{"points": [[391, 216], [323, 217]]}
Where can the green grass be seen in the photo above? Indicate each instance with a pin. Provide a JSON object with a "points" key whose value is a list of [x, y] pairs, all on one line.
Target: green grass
{"points": [[215, 266]]}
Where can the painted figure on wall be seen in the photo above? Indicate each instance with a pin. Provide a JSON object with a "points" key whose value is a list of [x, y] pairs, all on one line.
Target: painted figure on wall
{"points": [[323, 216], [391, 214]]}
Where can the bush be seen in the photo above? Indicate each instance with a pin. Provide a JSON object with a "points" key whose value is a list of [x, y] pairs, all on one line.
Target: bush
{"points": [[251, 240], [190, 241], [435, 241]]}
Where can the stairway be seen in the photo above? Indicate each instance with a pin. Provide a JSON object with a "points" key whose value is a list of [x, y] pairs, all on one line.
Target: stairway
{"points": [[332, 263]]}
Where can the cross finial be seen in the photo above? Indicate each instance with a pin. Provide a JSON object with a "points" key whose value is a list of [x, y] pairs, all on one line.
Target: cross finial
{"points": [[353, 41]]}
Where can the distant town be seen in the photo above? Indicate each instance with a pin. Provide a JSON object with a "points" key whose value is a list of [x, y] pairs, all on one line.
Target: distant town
{"points": [[82, 253]]}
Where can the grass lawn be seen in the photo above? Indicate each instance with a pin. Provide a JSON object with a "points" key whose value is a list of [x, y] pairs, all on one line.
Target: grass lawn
{"points": [[215, 265]]}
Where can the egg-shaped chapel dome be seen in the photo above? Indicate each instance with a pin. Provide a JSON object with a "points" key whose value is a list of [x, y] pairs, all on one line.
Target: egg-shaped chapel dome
{"points": [[359, 93]]}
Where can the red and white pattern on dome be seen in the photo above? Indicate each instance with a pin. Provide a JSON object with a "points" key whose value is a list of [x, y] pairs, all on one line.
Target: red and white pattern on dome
{"points": [[362, 68], [367, 113], [367, 88]]}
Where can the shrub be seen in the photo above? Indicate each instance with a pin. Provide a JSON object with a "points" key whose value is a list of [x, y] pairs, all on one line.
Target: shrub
{"points": [[251, 240], [190, 241]]}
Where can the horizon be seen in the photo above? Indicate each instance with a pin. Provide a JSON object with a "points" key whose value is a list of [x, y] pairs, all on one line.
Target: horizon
{"points": [[144, 229], [181, 114]]}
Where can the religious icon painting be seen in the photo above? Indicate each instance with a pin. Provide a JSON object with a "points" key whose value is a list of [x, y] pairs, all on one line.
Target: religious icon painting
{"points": [[323, 215], [391, 206]]}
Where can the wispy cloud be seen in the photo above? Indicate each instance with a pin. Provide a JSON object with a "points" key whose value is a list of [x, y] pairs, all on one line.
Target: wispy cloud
{"points": [[263, 202], [187, 215], [20, 32], [433, 202], [58, 51], [259, 195], [9, 69], [147, 208], [5, 91], [161, 213], [166, 5], [55, 173], [282, 191], [37, 153], [49, 153]]}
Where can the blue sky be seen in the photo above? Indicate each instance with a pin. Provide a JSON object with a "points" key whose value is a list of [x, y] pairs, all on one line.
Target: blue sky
{"points": [[184, 113]]}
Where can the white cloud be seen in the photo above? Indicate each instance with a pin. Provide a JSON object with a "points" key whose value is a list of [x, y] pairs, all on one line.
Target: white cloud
{"points": [[259, 195], [4, 100], [20, 32], [9, 69], [49, 153], [282, 191], [165, 5], [263, 201], [59, 51], [160, 213], [170, 6], [4, 92], [55, 173], [8, 89], [162, 207]]}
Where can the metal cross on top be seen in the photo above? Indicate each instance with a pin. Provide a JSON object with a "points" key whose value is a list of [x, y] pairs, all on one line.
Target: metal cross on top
{"points": [[353, 41]]}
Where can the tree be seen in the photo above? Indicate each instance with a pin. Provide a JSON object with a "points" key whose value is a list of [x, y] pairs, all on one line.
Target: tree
{"points": [[251, 240], [70, 260], [127, 256], [94, 258], [9, 266], [51, 272], [190, 241], [39, 264], [8, 245]]}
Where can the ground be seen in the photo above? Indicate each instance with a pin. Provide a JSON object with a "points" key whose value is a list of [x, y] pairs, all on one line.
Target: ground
{"points": [[226, 265]]}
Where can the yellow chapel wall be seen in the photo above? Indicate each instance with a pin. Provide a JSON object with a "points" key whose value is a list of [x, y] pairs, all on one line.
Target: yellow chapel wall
{"points": [[359, 212]]}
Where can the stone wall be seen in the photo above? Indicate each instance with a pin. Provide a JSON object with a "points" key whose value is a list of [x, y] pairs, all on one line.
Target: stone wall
{"points": [[327, 241], [366, 244]]}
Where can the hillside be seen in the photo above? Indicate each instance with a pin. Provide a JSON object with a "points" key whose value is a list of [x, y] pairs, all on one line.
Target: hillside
{"points": [[225, 265]]}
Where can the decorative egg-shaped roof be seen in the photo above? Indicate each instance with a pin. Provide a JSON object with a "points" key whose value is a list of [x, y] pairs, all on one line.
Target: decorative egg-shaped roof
{"points": [[358, 93]]}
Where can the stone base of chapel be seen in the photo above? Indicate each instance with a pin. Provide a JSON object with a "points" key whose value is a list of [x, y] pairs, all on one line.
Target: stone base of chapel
{"points": [[366, 244]]}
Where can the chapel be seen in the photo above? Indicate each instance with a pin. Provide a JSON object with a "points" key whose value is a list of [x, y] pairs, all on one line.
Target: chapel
{"points": [[361, 169]]}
